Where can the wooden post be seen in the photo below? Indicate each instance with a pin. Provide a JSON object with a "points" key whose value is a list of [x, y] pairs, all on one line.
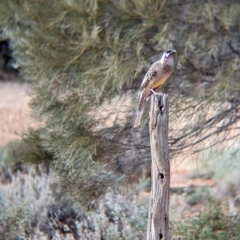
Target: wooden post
{"points": [[158, 216]]}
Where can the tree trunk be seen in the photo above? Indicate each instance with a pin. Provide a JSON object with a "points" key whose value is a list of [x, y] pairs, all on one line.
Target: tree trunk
{"points": [[158, 216]]}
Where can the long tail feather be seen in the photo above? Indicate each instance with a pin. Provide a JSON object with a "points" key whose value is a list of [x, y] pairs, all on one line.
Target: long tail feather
{"points": [[140, 109]]}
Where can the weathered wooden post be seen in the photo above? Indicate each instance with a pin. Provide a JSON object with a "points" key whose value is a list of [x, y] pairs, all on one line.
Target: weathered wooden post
{"points": [[158, 216]]}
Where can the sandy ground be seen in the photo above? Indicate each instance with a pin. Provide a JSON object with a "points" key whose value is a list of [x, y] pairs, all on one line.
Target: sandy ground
{"points": [[14, 110]]}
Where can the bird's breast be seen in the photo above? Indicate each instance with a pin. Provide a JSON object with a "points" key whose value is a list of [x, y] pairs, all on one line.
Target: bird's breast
{"points": [[159, 81]]}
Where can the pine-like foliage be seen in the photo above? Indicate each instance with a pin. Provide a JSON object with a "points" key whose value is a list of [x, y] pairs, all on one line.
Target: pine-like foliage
{"points": [[79, 55]]}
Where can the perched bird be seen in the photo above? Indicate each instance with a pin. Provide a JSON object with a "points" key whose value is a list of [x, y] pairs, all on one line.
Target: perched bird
{"points": [[157, 74]]}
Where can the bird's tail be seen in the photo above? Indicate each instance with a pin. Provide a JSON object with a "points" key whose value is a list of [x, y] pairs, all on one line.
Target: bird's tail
{"points": [[140, 109]]}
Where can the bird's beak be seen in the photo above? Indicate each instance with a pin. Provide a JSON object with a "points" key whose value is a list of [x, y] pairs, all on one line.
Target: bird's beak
{"points": [[174, 51]]}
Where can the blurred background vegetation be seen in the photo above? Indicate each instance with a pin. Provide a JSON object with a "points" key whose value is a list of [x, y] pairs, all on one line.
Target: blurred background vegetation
{"points": [[85, 60]]}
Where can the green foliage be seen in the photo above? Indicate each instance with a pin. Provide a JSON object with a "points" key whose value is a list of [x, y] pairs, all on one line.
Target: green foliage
{"points": [[15, 222], [29, 209], [25, 196], [78, 55], [197, 197], [211, 224], [75, 54], [223, 162], [10, 154], [5, 155]]}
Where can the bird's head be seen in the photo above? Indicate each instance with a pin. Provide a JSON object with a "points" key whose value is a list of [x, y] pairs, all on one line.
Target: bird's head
{"points": [[167, 56]]}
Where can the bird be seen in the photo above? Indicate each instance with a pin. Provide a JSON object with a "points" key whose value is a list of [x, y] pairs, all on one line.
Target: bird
{"points": [[156, 76]]}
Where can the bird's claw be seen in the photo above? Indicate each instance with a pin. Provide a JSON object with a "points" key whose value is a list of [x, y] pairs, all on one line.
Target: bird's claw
{"points": [[156, 93]]}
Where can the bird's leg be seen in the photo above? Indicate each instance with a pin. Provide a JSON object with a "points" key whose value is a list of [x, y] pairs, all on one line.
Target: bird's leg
{"points": [[156, 93]]}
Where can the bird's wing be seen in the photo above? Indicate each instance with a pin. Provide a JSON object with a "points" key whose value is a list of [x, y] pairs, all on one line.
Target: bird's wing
{"points": [[152, 72]]}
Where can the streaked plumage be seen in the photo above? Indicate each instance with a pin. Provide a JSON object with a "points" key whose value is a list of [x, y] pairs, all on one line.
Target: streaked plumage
{"points": [[157, 74]]}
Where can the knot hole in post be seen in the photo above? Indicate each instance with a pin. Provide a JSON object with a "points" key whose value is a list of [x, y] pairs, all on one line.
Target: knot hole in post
{"points": [[160, 103], [161, 175], [160, 236]]}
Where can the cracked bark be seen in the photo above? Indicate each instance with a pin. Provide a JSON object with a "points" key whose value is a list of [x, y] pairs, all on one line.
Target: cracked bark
{"points": [[158, 216]]}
